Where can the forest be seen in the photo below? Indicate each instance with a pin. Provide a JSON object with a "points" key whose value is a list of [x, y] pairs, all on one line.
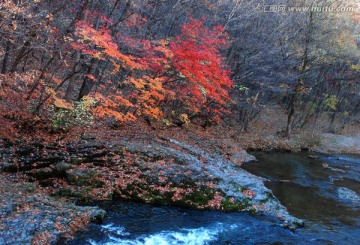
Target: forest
{"points": [[112, 99], [66, 63]]}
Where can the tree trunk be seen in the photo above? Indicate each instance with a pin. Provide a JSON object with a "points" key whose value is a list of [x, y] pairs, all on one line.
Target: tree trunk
{"points": [[290, 117], [331, 128], [70, 93], [85, 88], [300, 83], [6, 57], [20, 56]]}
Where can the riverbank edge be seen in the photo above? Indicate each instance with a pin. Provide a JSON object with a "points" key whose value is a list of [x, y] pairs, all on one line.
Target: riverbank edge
{"points": [[84, 215], [324, 143]]}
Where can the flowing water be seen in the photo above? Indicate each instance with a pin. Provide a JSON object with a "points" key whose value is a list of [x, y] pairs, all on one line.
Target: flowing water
{"points": [[324, 192]]}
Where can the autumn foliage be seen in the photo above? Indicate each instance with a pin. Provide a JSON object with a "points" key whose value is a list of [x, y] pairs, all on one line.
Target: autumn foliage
{"points": [[151, 60], [186, 71], [196, 56], [95, 56], [100, 45]]}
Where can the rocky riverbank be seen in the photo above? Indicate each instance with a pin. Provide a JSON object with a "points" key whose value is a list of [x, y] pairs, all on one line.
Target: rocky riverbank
{"points": [[189, 170], [141, 168], [29, 216]]}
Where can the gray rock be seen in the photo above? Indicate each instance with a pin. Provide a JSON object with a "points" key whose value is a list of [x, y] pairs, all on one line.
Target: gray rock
{"points": [[233, 180], [98, 215], [62, 166], [80, 177], [242, 157], [87, 137]]}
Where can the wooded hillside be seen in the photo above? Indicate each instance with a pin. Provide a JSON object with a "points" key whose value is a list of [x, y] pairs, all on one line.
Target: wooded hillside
{"points": [[66, 63]]}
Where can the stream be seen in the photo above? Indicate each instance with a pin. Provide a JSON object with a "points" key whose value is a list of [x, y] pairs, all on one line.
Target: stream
{"points": [[323, 190]]}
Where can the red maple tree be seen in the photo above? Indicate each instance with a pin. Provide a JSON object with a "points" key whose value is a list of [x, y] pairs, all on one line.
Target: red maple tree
{"points": [[187, 71]]}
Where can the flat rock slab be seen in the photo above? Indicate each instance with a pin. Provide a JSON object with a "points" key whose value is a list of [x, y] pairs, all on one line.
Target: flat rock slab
{"points": [[28, 216]]}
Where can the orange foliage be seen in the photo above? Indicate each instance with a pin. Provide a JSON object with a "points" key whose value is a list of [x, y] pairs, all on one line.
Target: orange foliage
{"points": [[21, 95], [249, 193], [104, 45], [109, 107], [13, 103], [149, 94], [188, 69]]}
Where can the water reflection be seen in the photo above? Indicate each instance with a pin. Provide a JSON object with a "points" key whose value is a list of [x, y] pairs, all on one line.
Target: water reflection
{"points": [[311, 190]]}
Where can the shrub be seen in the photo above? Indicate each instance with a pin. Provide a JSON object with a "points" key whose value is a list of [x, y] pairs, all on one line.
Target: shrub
{"points": [[64, 117]]}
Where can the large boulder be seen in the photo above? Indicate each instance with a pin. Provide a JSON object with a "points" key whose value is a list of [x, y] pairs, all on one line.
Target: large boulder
{"points": [[242, 157]]}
